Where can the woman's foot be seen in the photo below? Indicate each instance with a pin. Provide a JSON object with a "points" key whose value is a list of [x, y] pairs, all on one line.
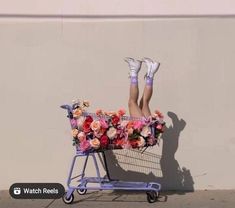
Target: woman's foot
{"points": [[152, 67], [134, 66]]}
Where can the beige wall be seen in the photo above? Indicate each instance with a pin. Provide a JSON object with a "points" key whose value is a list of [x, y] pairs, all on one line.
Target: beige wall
{"points": [[48, 63], [117, 7]]}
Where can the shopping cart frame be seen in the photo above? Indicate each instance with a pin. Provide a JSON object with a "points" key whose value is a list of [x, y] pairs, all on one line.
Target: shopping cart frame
{"points": [[152, 189]]}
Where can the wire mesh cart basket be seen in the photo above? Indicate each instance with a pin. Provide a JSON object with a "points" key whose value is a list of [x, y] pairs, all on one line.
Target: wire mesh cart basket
{"points": [[89, 142]]}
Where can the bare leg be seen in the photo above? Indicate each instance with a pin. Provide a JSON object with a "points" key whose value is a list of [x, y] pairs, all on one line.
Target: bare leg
{"points": [[144, 102], [134, 109]]}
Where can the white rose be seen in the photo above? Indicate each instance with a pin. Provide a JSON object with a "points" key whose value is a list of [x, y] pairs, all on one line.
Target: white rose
{"points": [[141, 141], [146, 131], [111, 133]]}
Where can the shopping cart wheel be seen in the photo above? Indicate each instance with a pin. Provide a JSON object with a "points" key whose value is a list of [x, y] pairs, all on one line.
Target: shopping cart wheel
{"points": [[152, 196], [81, 191], [68, 200]]}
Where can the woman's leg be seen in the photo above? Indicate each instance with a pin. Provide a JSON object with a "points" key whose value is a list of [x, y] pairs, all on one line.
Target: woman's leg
{"points": [[148, 90], [144, 102], [134, 109]]}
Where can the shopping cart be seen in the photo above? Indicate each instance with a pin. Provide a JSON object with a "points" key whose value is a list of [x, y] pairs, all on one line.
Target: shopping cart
{"points": [[84, 183]]}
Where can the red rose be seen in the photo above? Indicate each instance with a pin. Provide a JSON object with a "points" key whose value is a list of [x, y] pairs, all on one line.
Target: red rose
{"points": [[89, 119], [87, 124], [104, 141], [86, 127], [115, 120]]}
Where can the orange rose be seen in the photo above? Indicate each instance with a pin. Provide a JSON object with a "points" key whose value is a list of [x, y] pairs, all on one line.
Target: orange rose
{"points": [[95, 143], [74, 132], [95, 125], [77, 113]]}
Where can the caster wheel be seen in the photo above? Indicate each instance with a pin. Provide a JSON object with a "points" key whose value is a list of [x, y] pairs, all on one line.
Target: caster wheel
{"points": [[81, 191], [68, 200], [152, 196]]}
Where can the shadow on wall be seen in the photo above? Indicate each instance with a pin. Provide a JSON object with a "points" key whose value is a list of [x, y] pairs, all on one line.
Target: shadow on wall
{"points": [[148, 166]]}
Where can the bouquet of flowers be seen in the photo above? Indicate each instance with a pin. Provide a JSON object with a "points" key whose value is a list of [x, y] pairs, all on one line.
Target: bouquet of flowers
{"points": [[113, 130]]}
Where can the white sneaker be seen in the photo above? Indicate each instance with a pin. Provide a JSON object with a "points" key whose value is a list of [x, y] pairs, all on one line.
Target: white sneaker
{"points": [[152, 67], [134, 66]]}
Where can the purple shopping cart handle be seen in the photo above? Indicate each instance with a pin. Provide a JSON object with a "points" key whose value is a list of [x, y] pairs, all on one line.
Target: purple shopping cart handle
{"points": [[68, 107], [69, 110]]}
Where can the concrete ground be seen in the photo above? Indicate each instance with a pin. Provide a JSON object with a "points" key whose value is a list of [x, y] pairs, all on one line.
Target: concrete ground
{"points": [[100, 199]]}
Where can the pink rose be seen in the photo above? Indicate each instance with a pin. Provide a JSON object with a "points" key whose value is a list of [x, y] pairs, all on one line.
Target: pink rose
{"points": [[81, 136], [138, 124], [103, 124], [123, 123], [98, 134], [159, 127], [73, 123], [85, 145]]}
